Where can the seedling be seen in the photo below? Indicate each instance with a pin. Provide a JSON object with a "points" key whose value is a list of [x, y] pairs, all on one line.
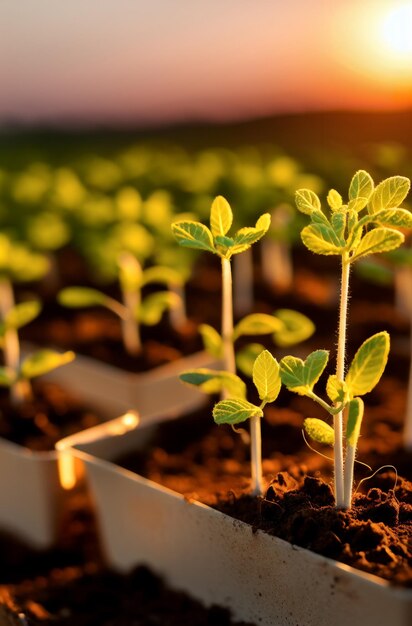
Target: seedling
{"points": [[286, 326], [196, 235], [364, 373], [235, 410], [18, 263], [367, 224], [134, 310]]}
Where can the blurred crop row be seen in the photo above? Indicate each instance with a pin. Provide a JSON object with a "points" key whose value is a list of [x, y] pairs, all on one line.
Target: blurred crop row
{"points": [[125, 202]]}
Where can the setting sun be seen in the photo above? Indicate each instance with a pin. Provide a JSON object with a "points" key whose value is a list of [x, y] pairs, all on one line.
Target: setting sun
{"points": [[397, 30]]}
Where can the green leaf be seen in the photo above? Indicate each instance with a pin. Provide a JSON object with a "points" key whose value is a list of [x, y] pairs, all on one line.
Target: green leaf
{"points": [[322, 239], [400, 218], [7, 377], [301, 376], [354, 229], [211, 340], [336, 389], [235, 411], [338, 221], [246, 357], [193, 235], [263, 223], [379, 239], [266, 376], [354, 421], [44, 361], [319, 431], [224, 242], [257, 324], [245, 237], [360, 190], [296, 328], [389, 194], [214, 381], [357, 204], [307, 201], [22, 314], [368, 364], [221, 216], [77, 297], [334, 200], [153, 306]]}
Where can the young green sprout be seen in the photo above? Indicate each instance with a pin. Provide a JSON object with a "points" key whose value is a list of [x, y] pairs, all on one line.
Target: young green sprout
{"points": [[216, 240], [237, 409], [134, 310], [19, 264], [364, 373], [16, 373], [368, 224]]}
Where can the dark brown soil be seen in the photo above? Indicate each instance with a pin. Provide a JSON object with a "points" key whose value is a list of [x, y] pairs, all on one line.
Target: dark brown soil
{"points": [[76, 545], [69, 585], [51, 415], [91, 596], [97, 334], [375, 535]]}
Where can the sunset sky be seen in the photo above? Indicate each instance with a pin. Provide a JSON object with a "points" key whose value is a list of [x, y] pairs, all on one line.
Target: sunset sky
{"points": [[137, 61]]}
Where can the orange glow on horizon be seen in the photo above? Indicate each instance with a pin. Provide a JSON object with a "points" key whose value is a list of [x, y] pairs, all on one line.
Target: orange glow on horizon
{"points": [[148, 62], [377, 54]]}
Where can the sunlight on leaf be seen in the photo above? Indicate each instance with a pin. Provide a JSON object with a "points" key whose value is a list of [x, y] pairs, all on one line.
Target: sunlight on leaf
{"points": [[235, 411], [221, 216], [368, 364], [266, 376], [319, 431]]}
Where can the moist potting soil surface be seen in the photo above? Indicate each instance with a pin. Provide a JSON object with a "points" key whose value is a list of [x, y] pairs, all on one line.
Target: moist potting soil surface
{"points": [[91, 596]]}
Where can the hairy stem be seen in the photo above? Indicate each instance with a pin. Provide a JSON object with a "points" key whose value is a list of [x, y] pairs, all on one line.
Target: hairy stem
{"points": [[340, 373], [349, 468], [256, 455], [227, 318]]}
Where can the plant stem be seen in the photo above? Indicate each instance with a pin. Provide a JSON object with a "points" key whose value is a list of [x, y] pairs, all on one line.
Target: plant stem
{"points": [[130, 326], [243, 275], [177, 315], [21, 389], [349, 468], [340, 373], [227, 318], [256, 455]]}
